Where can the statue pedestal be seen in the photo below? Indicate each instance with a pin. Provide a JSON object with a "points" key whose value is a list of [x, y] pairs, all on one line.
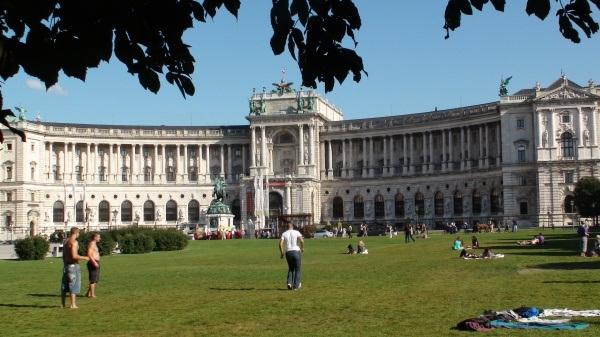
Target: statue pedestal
{"points": [[220, 220]]}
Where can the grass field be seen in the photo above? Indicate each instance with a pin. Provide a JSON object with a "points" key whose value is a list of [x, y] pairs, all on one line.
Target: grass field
{"points": [[237, 288]]}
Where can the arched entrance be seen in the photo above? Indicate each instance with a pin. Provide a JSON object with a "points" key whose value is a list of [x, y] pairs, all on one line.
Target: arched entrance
{"points": [[284, 153], [275, 205]]}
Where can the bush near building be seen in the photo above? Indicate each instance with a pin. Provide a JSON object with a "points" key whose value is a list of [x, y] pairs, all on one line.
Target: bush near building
{"points": [[162, 239], [32, 248]]}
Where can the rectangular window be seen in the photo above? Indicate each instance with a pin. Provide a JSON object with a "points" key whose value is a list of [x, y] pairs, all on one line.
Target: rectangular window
{"points": [[79, 173], [8, 196], [523, 207], [124, 173], [521, 157], [9, 147], [522, 181], [78, 152], [9, 173], [520, 123], [102, 173], [32, 196], [569, 177], [565, 119]]}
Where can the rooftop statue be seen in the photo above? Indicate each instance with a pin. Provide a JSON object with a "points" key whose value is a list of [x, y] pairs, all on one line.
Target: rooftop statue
{"points": [[503, 86]]}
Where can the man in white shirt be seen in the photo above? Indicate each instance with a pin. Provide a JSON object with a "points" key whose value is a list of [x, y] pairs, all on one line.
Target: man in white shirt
{"points": [[292, 245]]}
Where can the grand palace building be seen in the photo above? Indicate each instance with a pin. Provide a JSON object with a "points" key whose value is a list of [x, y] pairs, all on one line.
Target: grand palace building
{"points": [[514, 159]]}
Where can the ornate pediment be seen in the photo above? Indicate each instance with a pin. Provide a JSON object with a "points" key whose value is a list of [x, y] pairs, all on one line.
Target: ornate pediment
{"points": [[566, 93]]}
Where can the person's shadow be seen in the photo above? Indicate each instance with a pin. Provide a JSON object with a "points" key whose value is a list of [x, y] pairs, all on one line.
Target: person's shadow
{"points": [[37, 306]]}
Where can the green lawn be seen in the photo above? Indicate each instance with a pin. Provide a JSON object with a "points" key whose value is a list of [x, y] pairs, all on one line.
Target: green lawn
{"points": [[236, 288]]}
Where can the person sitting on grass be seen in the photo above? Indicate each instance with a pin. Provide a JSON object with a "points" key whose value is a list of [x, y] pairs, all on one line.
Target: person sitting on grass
{"points": [[350, 249], [474, 242], [458, 244], [466, 255], [488, 254], [537, 240], [596, 250], [362, 248]]}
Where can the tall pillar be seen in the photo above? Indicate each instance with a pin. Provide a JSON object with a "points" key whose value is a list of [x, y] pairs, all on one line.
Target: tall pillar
{"points": [[165, 162], [425, 167], [364, 148], [469, 154], [593, 137], [50, 151], [118, 163], [155, 162], [343, 158], [222, 157], [385, 161], [96, 163], [243, 149], [350, 164], [311, 130], [486, 162], [498, 145], [329, 160], [64, 175], [88, 169], [392, 162], [431, 159], [141, 163], [404, 155], [411, 148], [263, 147], [186, 163], [462, 148], [444, 163], [252, 147], [322, 164], [450, 163], [371, 161], [208, 173], [229, 163], [288, 198], [74, 161], [480, 146], [301, 142]]}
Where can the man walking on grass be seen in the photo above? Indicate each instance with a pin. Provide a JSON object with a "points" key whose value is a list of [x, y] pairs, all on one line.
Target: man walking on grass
{"points": [[93, 265], [292, 245], [71, 279]]}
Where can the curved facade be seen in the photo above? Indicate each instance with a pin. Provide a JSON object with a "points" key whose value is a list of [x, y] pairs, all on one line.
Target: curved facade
{"points": [[517, 158]]}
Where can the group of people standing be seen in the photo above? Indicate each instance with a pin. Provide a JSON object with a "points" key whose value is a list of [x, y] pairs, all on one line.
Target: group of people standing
{"points": [[71, 276]]}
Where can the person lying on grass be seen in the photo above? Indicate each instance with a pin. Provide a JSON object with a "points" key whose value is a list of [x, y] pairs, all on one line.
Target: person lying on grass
{"points": [[488, 254], [466, 255], [350, 249], [537, 240]]}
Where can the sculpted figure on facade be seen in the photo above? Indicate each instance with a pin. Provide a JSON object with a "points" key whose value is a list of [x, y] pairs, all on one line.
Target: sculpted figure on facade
{"points": [[136, 218], [545, 138], [158, 215], [170, 161], [306, 158], [586, 137]]}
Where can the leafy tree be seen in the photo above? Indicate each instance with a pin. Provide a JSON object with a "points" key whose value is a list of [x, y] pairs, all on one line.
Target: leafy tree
{"points": [[45, 37], [587, 197], [569, 12]]}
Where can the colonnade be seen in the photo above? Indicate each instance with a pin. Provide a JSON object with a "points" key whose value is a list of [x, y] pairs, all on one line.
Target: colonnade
{"points": [[143, 163], [426, 152]]}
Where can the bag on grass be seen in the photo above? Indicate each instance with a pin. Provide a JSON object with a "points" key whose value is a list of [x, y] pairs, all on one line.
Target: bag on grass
{"points": [[475, 324]]}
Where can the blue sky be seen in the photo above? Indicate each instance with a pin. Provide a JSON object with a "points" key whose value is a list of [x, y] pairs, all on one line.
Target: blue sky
{"points": [[411, 67]]}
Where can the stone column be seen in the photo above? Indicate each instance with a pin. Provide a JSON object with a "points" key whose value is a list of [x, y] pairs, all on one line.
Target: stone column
{"points": [[322, 164], [96, 163], [480, 146], [88, 156], [364, 148], [450, 150], [593, 137], [141, 163], [371, 161], [64, 175], [385, 160], [263, 147], [186, 163], [222, 160], [486, 162], [301, 149], [243, 149], [288, 198], [74, 162], [350, 165], [329, 160], [311, 130], [392, 162], [462, 149], [165, 162], [498, 144], [404, 157], [431, 159], [118, 163], [469, 155], [343, 158], [229, 162], [252, 147], [208, 173], [411, 167], [444, 162], [50, 151], [425, 167]]}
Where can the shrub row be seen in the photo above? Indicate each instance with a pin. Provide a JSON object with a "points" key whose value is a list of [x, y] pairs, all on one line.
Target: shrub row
{"points": [[32, 248]]}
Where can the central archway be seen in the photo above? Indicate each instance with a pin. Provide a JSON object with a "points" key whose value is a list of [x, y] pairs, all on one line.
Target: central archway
{"points": [[275, 205]]}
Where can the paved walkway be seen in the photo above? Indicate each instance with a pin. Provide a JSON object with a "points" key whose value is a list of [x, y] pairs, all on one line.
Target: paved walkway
{"points": [[7, 252]]}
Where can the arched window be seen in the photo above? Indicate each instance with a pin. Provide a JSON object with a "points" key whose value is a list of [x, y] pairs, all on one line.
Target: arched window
{"points": [[171, 211], [126, 211], [193, 211], [338, 208], [458, 203], [379, 206], [104, 211], [79, 215], [58, 211], [567, 145], [399, 205], [419, 204], [438, 204], [570, 204], [148, 211], [476, 200], [359, 207], [285, 138], [494, 201]]}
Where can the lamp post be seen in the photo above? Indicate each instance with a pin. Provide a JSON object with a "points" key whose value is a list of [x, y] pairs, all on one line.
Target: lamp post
{"points": [[572, 202]]}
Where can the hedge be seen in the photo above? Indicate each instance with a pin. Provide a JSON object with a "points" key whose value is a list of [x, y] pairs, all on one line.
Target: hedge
{"points": [[164, 239], [32, 248], [137, 243]]}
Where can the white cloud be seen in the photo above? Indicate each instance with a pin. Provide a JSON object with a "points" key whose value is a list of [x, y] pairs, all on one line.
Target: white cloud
{"points": [[35, 84]]}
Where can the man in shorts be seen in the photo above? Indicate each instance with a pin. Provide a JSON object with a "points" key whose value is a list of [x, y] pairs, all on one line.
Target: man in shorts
{"points": [[93, 265], [71, 278]]}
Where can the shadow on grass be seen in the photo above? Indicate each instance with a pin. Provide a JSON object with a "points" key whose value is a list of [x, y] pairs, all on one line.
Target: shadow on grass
{"points": [[44, 295], [572, 282], [249, 289], [584, 265], [27, 306]]}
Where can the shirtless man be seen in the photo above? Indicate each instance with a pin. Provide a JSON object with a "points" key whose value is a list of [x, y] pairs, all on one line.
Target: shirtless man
{"points": [[93, 264], [71, 278]]}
